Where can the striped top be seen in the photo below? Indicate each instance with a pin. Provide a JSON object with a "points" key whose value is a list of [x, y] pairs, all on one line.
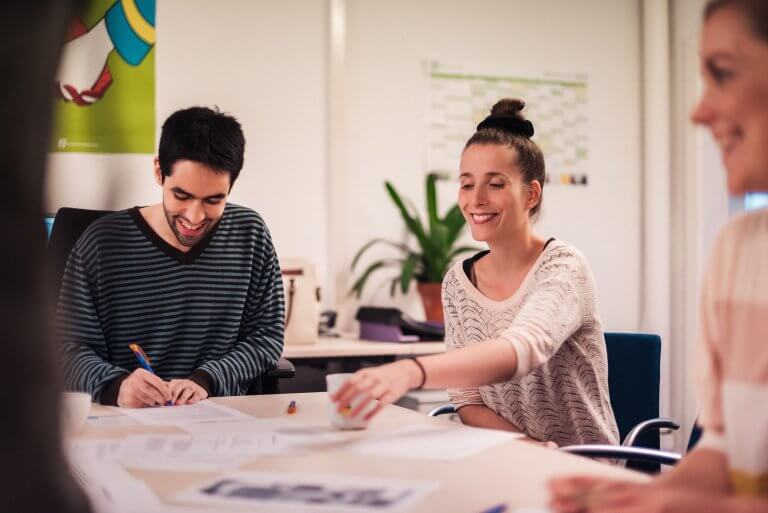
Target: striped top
{"points": [[560, 390], [733, 357], [215, 311]]}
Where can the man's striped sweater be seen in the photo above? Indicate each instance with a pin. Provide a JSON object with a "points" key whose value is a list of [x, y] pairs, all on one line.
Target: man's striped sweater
{"points": [[214, 314]]}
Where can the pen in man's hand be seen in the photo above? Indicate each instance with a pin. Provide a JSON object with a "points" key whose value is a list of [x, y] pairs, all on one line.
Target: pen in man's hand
{"points": [[143, 359]]}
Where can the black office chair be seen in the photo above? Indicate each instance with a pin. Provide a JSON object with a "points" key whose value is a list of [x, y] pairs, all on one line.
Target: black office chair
{"points": [[634, 377], [70, 223], [634, 374], [652, 458]]}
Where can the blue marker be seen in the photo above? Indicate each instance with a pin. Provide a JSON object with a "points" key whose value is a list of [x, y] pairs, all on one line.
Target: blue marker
{"points": [[499, 508], [143, 359]]}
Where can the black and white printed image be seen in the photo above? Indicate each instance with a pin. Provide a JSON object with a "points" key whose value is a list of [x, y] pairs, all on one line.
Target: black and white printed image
{"points": [[321, 493], [308, 493]]}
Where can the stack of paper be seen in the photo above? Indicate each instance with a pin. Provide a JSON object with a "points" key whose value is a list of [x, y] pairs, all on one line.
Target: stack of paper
{"points": [[435, 442], [204, 411]]}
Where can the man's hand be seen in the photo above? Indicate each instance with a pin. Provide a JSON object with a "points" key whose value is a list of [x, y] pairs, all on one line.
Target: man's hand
{"points": [[142, 388], [186, 391]]}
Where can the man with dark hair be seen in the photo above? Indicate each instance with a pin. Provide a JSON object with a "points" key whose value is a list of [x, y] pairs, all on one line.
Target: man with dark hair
{"points": [[193, 280]]}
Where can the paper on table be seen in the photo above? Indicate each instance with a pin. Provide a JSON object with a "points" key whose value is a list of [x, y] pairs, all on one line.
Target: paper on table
{"points": [[110, 421], [426, 441], [214, 451], [188, 454], [245, 425], [283, 432], [204, 411], [299, 439], [291, 492], [95, 450], [113, 490]]}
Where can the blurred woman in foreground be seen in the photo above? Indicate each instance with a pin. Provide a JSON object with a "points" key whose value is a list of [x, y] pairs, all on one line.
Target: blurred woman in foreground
{"points": [[728, 470]]}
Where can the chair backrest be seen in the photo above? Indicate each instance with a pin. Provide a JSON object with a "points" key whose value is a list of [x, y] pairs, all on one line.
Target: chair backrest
{"points": [[68, 226], [696, 433], [634, 374]]}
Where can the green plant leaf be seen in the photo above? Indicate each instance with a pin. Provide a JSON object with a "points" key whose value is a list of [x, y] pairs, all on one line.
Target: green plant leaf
{"points": [[393, 285], [432, 201], [409, 266], [357, 287], [367, 245], [435, 252], [412, 222], [454, 221], [439, 260]]}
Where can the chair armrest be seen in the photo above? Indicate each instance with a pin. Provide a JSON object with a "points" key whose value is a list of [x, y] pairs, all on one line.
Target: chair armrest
{"points": [[444, 409], [282, 370], [625, 453], [269, 381], [660, 423]]}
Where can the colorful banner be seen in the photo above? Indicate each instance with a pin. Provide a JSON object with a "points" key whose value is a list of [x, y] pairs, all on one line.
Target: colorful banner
{"points": [[105, 86]]}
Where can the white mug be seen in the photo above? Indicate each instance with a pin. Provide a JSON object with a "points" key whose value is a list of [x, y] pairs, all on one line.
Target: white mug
{"points": [[338, 419], [74, 411]]}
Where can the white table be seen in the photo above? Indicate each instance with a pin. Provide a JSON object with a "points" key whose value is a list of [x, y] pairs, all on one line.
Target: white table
{"points": [[514, 473]]}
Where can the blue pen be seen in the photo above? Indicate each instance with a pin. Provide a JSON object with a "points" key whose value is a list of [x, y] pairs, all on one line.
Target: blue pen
{"points": [[499, 508], [143, 359]]}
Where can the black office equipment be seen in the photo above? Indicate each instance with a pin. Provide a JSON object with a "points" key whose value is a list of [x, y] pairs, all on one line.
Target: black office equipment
{"points": [[392, 325]]}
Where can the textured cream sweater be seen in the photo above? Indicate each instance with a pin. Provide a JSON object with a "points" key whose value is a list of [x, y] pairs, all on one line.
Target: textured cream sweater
{"points": [[560, 390]]}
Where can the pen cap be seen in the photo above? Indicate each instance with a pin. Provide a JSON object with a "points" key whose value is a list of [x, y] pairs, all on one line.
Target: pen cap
{"points": [[136, 348]]}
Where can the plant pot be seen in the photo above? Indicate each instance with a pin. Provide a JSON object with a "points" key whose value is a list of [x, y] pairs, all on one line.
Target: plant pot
{"points": [[430, 298]]}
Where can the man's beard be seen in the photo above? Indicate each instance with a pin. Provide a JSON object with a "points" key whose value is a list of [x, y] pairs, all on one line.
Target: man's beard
{"points": [[183, 239]]}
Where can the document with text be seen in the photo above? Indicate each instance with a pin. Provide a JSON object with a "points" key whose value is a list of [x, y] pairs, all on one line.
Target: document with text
{"points": [[204, 411]]}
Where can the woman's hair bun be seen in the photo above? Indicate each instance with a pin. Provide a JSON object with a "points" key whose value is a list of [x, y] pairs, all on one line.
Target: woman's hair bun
{"points": [[508, 107]]}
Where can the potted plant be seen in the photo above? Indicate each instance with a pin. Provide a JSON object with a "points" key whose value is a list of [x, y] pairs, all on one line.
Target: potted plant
{"points": [[428, 263]]}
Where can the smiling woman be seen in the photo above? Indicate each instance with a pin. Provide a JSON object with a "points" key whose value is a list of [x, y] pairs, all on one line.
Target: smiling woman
{"points": [[527, 352], [734, 105], [728, 469]]}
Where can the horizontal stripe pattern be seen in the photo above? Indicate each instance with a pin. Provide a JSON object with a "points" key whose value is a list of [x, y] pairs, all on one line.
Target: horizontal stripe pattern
{"points": [[221, 313]]}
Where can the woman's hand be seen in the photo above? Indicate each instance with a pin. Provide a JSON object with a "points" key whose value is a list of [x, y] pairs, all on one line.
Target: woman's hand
{"points": [[595, 495], [386, 383]]}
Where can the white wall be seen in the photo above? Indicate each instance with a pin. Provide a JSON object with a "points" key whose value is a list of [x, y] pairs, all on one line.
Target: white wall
{"points": [[332, 98], [320, 145], [384, 132], [263, 61], [699, 206]]}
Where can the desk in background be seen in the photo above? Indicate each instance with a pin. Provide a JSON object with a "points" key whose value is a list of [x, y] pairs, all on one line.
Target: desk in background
{"points": [[341, 347], [343, 354], [514, 473]]}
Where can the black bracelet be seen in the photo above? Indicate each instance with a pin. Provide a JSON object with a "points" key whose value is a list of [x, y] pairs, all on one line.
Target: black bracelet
{"points": [[423, 372]]}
